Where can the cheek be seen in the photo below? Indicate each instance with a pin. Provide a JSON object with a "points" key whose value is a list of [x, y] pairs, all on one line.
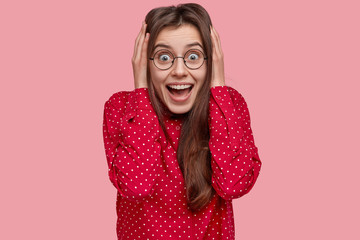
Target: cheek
{"points": [[157, 78], [201, 77], [154, 76]]}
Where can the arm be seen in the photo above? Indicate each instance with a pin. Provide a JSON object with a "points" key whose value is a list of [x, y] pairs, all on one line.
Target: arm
{"points": [[131, 132], [235, 161], [131, 139]]}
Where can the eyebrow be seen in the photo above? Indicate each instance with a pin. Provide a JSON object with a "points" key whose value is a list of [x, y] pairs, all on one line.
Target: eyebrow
{"points": [[188, 45]]}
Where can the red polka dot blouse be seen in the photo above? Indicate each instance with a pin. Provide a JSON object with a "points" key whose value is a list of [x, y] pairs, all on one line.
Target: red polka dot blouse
{"points": [[151, 199]]}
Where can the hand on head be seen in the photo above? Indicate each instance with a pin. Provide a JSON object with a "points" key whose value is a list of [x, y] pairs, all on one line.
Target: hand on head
{"points": [[139, 59], [218, 75]]}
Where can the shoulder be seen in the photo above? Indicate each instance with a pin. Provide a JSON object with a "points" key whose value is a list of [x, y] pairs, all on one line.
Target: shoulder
{"points": [[118, 102], [119, 98], [229, 93], [127, 102], [239, 103], [122, 98], [235, 95]]}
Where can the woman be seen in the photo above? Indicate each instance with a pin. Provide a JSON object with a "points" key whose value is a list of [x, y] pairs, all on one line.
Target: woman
{"points": [[179, 147]]}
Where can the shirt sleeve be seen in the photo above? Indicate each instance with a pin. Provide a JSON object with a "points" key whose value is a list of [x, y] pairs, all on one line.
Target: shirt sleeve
{"points": [[132, 147], [235, 161]]}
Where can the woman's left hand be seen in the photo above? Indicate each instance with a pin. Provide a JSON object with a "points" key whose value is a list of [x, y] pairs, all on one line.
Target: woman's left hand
{"points": [[218, 74]]}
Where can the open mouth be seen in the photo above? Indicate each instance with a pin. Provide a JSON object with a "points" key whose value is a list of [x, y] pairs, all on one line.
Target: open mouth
{"points": [[180, 91]]}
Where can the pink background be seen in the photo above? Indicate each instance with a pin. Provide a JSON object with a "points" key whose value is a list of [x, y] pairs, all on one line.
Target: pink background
{"points": [[297, 63]]}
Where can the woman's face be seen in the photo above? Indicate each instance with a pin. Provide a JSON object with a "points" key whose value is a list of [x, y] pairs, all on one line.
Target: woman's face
{"points": [[178, 86]]}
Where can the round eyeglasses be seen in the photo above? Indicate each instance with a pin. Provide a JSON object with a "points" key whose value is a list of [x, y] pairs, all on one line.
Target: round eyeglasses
{"points": [[164, 59]]}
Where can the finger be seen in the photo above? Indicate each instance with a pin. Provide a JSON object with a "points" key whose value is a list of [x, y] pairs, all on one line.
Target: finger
{"points": [[218, 78], [137, 41], [214, 43], [137, 38], [216, 40], [139, 51], [216, 35], [139, 34], [136, 45], [144, 48], [140, 43]]}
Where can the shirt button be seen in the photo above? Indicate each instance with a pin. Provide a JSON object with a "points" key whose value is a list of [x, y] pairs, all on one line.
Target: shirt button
{"points": [[177, 128]]}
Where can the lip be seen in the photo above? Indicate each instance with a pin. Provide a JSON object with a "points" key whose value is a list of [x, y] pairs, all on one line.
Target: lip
{"points": [[182, 98]]}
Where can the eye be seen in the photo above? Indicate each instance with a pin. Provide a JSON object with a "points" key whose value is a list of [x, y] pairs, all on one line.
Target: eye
{"points": [[193, 56], [163, 56]]}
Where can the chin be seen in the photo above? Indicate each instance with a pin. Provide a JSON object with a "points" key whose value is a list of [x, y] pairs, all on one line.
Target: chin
{"points": [[179, 109]]}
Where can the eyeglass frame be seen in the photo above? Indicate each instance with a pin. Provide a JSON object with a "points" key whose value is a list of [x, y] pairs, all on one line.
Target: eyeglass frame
{"points": [[172, 62]]}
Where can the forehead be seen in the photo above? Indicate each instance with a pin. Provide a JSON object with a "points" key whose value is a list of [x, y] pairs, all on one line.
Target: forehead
{"points": [[178, 38]]}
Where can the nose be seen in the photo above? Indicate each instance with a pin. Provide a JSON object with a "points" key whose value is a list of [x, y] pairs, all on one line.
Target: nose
{"points": [[179, 68]]}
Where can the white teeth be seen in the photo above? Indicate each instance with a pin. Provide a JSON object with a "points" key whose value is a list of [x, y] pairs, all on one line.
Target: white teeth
{"points": [[178, 87]]}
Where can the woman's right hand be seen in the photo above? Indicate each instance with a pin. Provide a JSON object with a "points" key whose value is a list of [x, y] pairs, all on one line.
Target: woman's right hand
{"points": [[139, 59]]}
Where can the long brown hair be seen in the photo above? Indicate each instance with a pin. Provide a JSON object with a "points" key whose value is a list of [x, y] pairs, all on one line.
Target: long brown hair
{"points": [[193, 152]]}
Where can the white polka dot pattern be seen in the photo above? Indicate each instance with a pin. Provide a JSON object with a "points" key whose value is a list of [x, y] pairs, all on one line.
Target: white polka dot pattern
{"points": [[151, 200], [235, 160]]}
